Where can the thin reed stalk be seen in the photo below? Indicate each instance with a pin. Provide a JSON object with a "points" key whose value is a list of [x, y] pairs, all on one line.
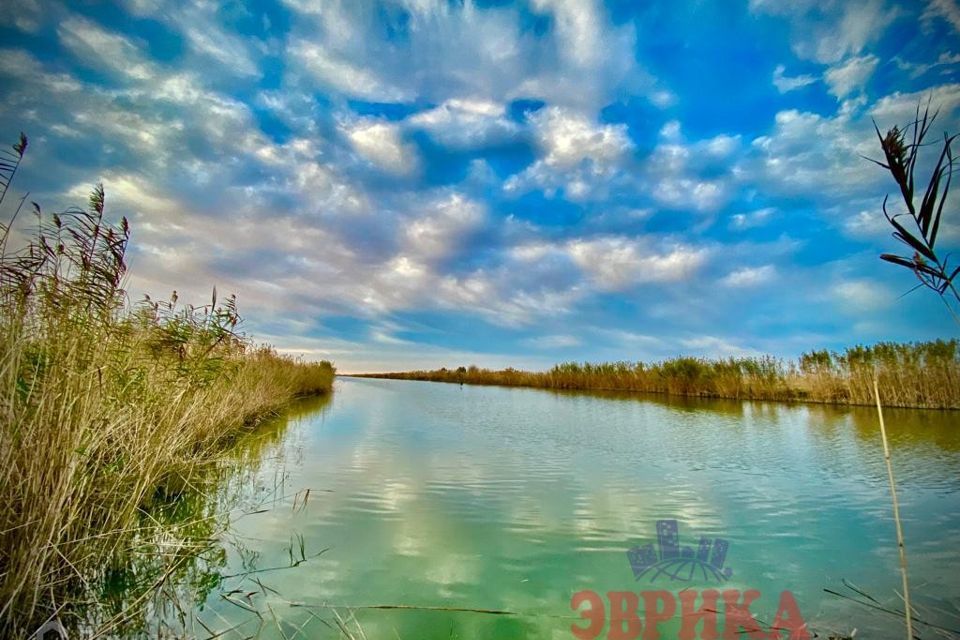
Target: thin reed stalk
{"points": [[901, 547]]}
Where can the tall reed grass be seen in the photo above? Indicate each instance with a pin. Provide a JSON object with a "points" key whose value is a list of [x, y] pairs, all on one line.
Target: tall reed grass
{"points": [[106, 405], [922, 374]]}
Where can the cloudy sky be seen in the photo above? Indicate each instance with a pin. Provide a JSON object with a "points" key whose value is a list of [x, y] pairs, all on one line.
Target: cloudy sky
{"points": [[416, 183]]}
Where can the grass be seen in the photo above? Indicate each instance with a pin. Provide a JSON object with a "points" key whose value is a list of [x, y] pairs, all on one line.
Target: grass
{"points": [[106, 405], [914, 375]]}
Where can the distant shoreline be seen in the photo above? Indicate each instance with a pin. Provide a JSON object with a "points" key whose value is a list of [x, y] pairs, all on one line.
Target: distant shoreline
{"points": [[921, 375]]}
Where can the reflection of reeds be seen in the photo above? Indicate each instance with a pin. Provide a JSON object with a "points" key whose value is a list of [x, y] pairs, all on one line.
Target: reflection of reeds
{"points": [[939, 621], [106, 406], [923, 374]]}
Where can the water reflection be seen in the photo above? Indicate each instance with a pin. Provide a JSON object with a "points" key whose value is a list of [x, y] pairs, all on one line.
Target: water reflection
{"points": [[180, 557], [440, 497]]}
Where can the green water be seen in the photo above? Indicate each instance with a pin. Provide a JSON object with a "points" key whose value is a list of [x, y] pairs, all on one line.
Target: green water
{"points": [[434, 495]]}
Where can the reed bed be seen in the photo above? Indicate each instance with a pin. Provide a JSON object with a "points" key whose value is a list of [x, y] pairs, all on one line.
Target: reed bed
{"points": [[915, 375], [106, 405]]}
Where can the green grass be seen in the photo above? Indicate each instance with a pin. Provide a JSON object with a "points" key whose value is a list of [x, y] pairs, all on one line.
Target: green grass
{"points": [[920, 375], [106, 405]]}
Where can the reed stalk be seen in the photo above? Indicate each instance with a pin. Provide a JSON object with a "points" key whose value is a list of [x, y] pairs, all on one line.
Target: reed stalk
{"points": [[107, 406], [896, 514]]}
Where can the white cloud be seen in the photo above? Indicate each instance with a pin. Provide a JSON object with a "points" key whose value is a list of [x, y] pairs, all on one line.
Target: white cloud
{"points": [[663, 98], [449, 51], [381, 143], [680, 175], [499, 298], [596, 58], [532, 251], [758, 218], [448, 219], [722, 145], [862, 23], [130, 193], [27, 16], [715, 347], [570, 139], [202, 27], [578, 27], [827, 32], [946, 60], [812, 154], [342, 75], [867, 223], [616, 263], [466, 123], [785, 83], [851, 75], [101, 48], [29, 73], [190, 155], [870, 224], [630, 340], [749, 276], [946, 9], [670, 131], [682, 192], [553, 342], [862, 295], [211, 41], [899, 108], [822, 157], [576, 153]]}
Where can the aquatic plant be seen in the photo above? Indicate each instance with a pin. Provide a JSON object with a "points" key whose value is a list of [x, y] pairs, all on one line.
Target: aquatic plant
{"points": [[921, 374], [106, 404], [901, 155]]}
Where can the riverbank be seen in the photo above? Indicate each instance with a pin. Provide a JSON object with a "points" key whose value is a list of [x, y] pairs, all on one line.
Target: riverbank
{"points": [[107, 405], [910, 375]]}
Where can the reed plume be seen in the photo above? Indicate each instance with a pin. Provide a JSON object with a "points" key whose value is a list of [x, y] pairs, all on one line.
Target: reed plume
{"points": [[106, 404]]}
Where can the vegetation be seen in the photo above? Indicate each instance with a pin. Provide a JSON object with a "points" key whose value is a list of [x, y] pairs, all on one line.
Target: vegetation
{"points": [[925, 374], [107, 408], [901, 154]]}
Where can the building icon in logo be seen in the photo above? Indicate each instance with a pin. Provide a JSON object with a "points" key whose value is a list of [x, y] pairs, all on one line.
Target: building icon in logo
{"points": [[668, 560], [50, 630]]}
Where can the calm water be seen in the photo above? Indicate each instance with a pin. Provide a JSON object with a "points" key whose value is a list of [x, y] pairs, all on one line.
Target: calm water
{"points": [[433, 495]]}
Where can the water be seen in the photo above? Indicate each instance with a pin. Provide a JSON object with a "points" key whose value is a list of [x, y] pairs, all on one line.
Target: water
{"points": [[432, 495]]}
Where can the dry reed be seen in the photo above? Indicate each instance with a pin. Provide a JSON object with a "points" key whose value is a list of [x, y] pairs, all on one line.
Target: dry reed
{"points": [[106, 405], [923, 374]]}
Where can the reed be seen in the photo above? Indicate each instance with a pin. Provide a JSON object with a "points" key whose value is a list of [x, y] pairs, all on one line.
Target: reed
{"points": [[901, 546], [917, 375], [106, 405], [917, 225]]}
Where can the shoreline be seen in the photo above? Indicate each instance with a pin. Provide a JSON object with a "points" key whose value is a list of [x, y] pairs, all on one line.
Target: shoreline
{"points": [[920, 375], [658, 394]]}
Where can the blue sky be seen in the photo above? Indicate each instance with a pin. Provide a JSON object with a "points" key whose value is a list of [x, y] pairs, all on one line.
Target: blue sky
{"points": [[419, 183]]}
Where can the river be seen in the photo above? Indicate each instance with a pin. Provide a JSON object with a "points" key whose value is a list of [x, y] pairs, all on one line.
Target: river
{"points": [[440, 497]]}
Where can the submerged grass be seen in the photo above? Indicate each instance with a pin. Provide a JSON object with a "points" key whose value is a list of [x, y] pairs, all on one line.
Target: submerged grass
{"points": [[920, 375], [106, 405]]}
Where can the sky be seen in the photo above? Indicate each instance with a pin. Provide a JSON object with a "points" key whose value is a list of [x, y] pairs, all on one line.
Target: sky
{"points": [[421, 183]]}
